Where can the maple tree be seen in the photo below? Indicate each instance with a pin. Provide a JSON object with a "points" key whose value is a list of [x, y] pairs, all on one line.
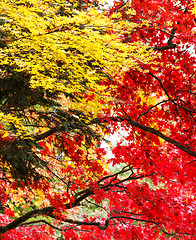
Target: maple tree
{"points": [[69, 77]]}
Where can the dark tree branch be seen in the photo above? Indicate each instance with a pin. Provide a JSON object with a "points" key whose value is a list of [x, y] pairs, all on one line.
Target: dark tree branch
{"points": [[46, 134], [40, 221], [17, 222], [171, 37], [107, 222], [133, 123], [167, 94], [161, 84], [124, 170], [48, 211], [39, 137], [167, 47], [150, 108]]}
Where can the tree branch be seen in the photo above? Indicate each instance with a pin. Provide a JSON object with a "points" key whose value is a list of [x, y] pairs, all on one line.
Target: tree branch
{"points": [[167, 47], [150, 108], [169, 42], [107, 221], [48, 211], [45, 134], [25, 217], [41, 221], [133, 123]]}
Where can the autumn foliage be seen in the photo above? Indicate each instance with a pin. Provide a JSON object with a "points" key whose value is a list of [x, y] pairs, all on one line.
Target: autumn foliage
{"points": [[97, 120]]}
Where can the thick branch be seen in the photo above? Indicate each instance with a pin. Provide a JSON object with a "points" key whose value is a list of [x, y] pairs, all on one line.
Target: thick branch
{"points": [[171, 37], [25, 217], [146, 129], [167, 47], [48, 211], [45, 134], [169, 42]]}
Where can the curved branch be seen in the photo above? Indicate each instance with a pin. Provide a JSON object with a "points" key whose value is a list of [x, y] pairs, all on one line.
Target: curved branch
{"points": [[17, 222], [41, 221], [48, 211], [107, 221], [150, 108], [133, 123]]}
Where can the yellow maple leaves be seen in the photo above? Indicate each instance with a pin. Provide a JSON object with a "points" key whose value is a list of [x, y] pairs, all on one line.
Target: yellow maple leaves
{"points": [[194, 8], [68, 51], [37, 42]]}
